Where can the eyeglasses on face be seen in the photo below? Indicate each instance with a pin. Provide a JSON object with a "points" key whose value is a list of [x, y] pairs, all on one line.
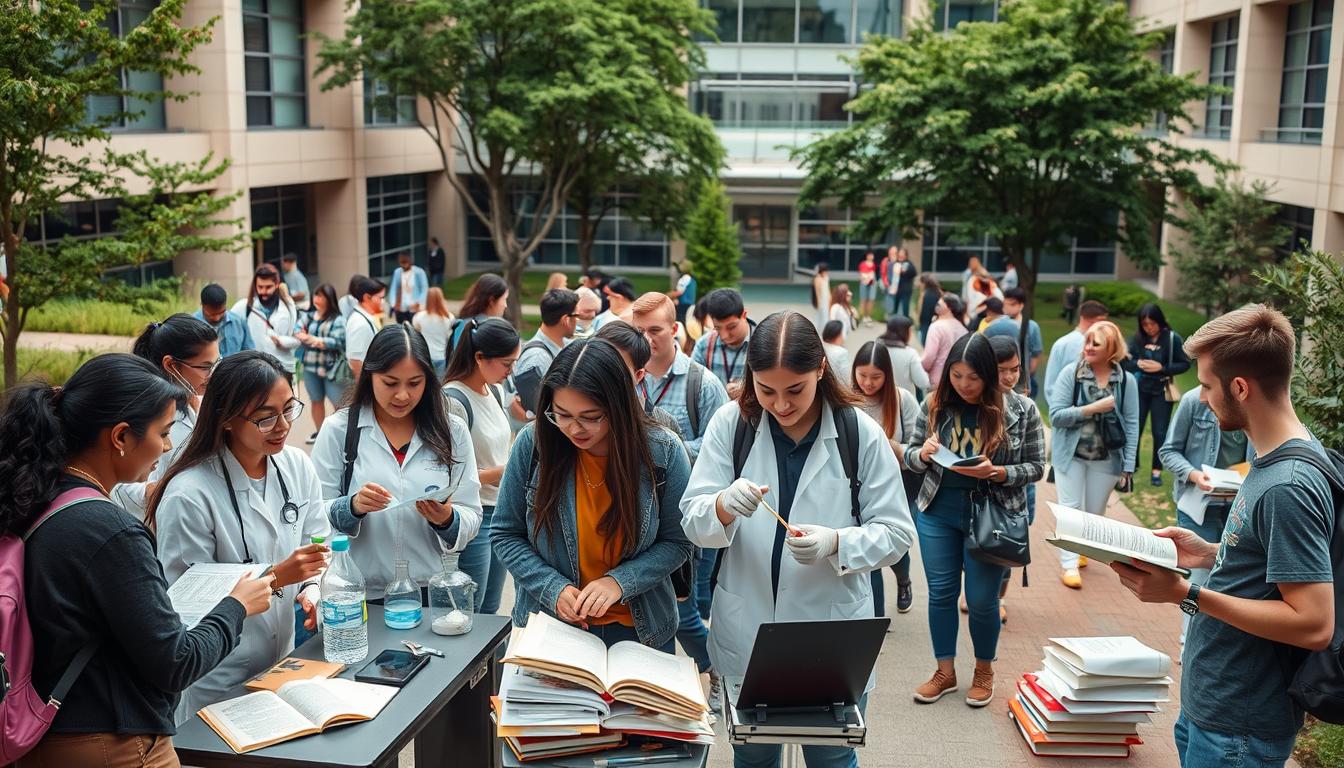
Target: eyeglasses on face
{"points": [[292, 411], [206, 368], [564, 422]]}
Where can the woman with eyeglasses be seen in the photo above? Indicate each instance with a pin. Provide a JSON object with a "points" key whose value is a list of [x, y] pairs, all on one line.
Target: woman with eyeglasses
{"points": [[238, 494], [482, 360], [587, 519], [186, 350], [396, 442]]}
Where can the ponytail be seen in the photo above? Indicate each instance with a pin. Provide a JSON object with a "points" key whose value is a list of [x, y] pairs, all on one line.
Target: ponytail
{"points": [[181, 336], [493, 337]]}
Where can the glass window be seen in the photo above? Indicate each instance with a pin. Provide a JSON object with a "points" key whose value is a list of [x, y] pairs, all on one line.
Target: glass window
{"points": [[285, 210], [376, 113], [1306, 64], [948, 253], [1299, 221], [770, 102], [1166, 59], [133, 114], [275, 70], [825, 21], [877, 17], [91, 220], [725, 14], [397, 222], [767, 21], [947, 15], [1222, 71]]}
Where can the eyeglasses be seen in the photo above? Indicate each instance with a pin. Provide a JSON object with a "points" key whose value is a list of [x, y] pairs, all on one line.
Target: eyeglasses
{"points": [[1013, 369], [203, 367], [564, 422], [293, 409]]}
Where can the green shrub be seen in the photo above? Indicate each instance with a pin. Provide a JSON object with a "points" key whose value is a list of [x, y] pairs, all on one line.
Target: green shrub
{"points": [[1121, 298], [51, 365]]}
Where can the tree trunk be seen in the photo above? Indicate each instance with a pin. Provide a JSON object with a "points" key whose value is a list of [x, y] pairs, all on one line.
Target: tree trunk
{"points": [[13, 309], [587, 234]]}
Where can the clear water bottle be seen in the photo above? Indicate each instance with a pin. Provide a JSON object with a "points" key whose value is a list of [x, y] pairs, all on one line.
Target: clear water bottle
{"points": [[345, 629], [401, 599], [451, 598]]}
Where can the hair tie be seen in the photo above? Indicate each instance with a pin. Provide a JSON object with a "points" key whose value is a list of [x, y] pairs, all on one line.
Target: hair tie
{"points": [[57, 394], [154, 326]]}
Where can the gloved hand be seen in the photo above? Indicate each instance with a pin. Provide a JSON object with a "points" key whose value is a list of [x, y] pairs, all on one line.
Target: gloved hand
{"points": [[817, 542], [741, 498]]}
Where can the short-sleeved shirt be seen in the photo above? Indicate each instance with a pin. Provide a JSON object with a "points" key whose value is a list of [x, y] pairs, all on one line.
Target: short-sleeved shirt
{"points": [[686, 284], [1277, 532], [1231, 448], [359, 332]]}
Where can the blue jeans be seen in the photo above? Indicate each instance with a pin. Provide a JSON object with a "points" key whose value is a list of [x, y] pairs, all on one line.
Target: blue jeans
{"points": [[942, 545], [612, 634], [903, 304], [480, 562], [768, 755], [1215, 518], [1200, 748], [692, 634], [705, 559]]}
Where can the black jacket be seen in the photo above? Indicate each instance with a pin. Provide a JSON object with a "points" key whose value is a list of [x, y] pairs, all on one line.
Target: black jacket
{"points": [[1169, 351]]}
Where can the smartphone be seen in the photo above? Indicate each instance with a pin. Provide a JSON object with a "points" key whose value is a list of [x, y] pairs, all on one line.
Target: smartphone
{"points": [[391, 668]]}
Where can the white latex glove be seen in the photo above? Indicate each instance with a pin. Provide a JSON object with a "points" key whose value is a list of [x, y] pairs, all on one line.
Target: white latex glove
{"points": [[817, 542], [741, 498]]}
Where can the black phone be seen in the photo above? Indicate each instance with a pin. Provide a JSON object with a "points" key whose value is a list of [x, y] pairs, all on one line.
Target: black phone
{"points": [[391, 668]]}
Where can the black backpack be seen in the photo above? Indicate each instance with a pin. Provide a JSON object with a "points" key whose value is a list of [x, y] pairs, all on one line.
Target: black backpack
{"points": [[847, 432], [1318, 684]]}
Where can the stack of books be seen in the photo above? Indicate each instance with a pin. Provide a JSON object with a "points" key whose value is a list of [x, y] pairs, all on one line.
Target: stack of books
{"points": [[1090, 696], [564, 692]]}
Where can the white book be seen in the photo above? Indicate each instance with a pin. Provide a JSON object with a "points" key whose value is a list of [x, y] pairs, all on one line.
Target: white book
{"points": [[1056, 688], [196, 593], [1225, 482], [1117, 656], [1078, 679], [1055, 715], [1107, 541], [1118, 693]]}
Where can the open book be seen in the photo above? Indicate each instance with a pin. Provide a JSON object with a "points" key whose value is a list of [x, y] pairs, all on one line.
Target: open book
{"points": [[1225, 482], [628, 672], [1108, 541], [300, 708], [944, 457]]}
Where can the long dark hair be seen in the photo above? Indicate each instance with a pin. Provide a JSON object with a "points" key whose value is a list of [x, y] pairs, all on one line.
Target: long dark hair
{"points": [[240, 384], [486, 289], [789, 339], [875, 353], [594, 368], [974, 350], [1150, 312], [390, 346], [492, 337], [43, 427], [328, 292], [180, 336]]}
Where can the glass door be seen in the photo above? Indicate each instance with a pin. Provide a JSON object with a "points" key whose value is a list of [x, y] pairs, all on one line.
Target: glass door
{"points": [[763, 231]]}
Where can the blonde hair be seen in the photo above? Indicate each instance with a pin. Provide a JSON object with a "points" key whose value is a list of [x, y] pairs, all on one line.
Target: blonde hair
{"points": [[557, 280], [587, 294], [435, 303], [654, 302], [1111, 340], [1254, 342]]}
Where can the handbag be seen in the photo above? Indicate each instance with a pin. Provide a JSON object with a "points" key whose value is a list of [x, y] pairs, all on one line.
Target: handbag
{"points": [[1112, 431], [341, 374], [995, 535], [1170, 392]]}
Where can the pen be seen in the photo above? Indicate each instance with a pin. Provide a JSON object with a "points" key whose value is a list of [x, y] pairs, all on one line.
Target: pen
{"points": [[613, 762]]}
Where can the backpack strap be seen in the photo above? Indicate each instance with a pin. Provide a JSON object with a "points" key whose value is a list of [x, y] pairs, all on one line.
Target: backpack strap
{"points": [[351, 448], [1329, 466], [73, 672], [461, 397], [695, 377], [743, 435], [709, 352], [847, 433], [64, 501], [537, 344]]}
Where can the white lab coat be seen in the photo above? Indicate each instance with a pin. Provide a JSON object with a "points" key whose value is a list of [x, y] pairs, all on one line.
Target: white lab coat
{"points": [[835, 588], [196, 524], [133, 497], [280, 324], [373, 545]]}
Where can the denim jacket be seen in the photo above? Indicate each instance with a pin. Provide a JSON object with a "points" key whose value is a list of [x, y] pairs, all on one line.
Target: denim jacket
{"points": [[542, 565], [1066, 417], [1192, 440]]}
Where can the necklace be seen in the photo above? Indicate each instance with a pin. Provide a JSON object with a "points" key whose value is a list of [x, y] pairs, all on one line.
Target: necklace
{"points": [[588, 482], [90, 478]]}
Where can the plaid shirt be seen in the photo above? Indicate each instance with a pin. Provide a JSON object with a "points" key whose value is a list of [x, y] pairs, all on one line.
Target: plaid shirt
{"points": [[669, 394], [1021, 454], [332, 334]]}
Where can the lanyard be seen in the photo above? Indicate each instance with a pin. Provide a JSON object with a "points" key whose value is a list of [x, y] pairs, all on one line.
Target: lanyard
{"points": [[643, 385], [727, 368], [289, 511]]}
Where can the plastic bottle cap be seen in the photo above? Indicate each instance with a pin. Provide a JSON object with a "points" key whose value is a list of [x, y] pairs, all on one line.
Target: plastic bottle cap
{"points": [[340, 544]]}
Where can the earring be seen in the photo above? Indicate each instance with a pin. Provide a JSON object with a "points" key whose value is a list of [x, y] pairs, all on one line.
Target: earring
{"points": [[122, 453]]}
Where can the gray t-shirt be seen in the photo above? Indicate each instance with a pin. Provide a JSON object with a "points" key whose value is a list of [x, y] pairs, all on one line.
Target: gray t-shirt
{"points": [[1278, 532]]}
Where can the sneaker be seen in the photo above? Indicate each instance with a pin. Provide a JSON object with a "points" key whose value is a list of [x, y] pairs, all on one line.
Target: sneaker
{"points": [[1082, 561], [311, 439], [1072, 578], [715, 691], [1156, 480], [905, 597], [938, 686], [982, 686]]}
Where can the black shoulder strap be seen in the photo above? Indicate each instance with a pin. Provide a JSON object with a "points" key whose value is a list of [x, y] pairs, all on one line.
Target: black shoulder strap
{"points": [[73, 672], [1331, 466], [537, 344], [847, 433], [743, 435], [351, 448], [461, 397], [694, 379]]}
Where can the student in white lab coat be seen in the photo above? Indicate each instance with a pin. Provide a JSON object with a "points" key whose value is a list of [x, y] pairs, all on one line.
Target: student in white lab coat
{"points": [[789, 396], [186, 350], [238, 494], [408, 445], [271, 317]]}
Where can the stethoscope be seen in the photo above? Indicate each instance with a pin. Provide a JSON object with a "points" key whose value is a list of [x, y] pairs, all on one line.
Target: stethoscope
{"points": [[289, 512]]}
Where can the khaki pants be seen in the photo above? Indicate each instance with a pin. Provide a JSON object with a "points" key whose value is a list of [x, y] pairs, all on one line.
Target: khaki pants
{"points": [[101, 750]]}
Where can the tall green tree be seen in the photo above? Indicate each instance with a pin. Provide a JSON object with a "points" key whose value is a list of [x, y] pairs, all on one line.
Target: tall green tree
{"points": [[58, 54], [1029, 130], [711, 241], [523, 95], [1230, 233]]}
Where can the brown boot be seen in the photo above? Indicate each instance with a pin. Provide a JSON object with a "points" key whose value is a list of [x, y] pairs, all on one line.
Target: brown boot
{"points": [[940, 684], [982, 685]]}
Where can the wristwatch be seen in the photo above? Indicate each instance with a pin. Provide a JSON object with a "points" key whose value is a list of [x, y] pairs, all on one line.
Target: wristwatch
{"points": [[1191, 602]]}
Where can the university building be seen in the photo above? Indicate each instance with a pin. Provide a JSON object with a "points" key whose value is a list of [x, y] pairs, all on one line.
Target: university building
{"points": [[346, 187]]}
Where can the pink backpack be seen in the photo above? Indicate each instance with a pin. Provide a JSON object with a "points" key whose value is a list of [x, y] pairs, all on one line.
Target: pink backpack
{"points": [[24, 717]]}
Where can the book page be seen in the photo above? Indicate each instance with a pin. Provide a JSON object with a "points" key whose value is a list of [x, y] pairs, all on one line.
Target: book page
{"points": [[1222, 479], [322, 701], [946, 458], [629, 662], [1121, 656], [550, 640], [1113, 536], [196, 593], [256, 719]]}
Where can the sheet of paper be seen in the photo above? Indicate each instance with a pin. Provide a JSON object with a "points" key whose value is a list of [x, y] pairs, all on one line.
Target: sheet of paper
{"points": [[1122, 538], [1193, 503], [196, 593], [396, 505], [1222, 479], [946, 458], [1123, 656], [321, 700]]}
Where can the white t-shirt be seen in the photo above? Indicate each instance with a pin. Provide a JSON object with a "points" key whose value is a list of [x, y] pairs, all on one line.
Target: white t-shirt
{"points": [[435, 330], [841, 312], [490, 433], [360, 329]]}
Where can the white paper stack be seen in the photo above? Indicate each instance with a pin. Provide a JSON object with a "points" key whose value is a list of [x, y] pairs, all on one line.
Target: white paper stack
{"points": [[1090, 696]]}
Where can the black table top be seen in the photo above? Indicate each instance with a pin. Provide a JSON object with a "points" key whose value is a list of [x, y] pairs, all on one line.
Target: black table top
{"points": [[370, 743]]}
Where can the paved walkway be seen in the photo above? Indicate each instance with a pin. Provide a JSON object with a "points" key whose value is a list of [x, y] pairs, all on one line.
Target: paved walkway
{"points": [[74, 342]]}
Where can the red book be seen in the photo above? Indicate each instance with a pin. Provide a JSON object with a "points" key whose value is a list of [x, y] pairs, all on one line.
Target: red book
{"points": [[1040, 743]]}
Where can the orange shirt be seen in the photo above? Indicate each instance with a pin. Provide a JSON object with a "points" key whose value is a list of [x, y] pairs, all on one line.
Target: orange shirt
{"points": [[598, 554]]}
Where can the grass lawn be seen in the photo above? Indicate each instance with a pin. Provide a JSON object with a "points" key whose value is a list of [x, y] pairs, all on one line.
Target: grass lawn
{"points": [[102, 317], [51, 365], [1320, 745], [534, 284]]}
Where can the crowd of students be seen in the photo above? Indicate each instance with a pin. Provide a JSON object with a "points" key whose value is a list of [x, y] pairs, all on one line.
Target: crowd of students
{"points": [[620, 488]]}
